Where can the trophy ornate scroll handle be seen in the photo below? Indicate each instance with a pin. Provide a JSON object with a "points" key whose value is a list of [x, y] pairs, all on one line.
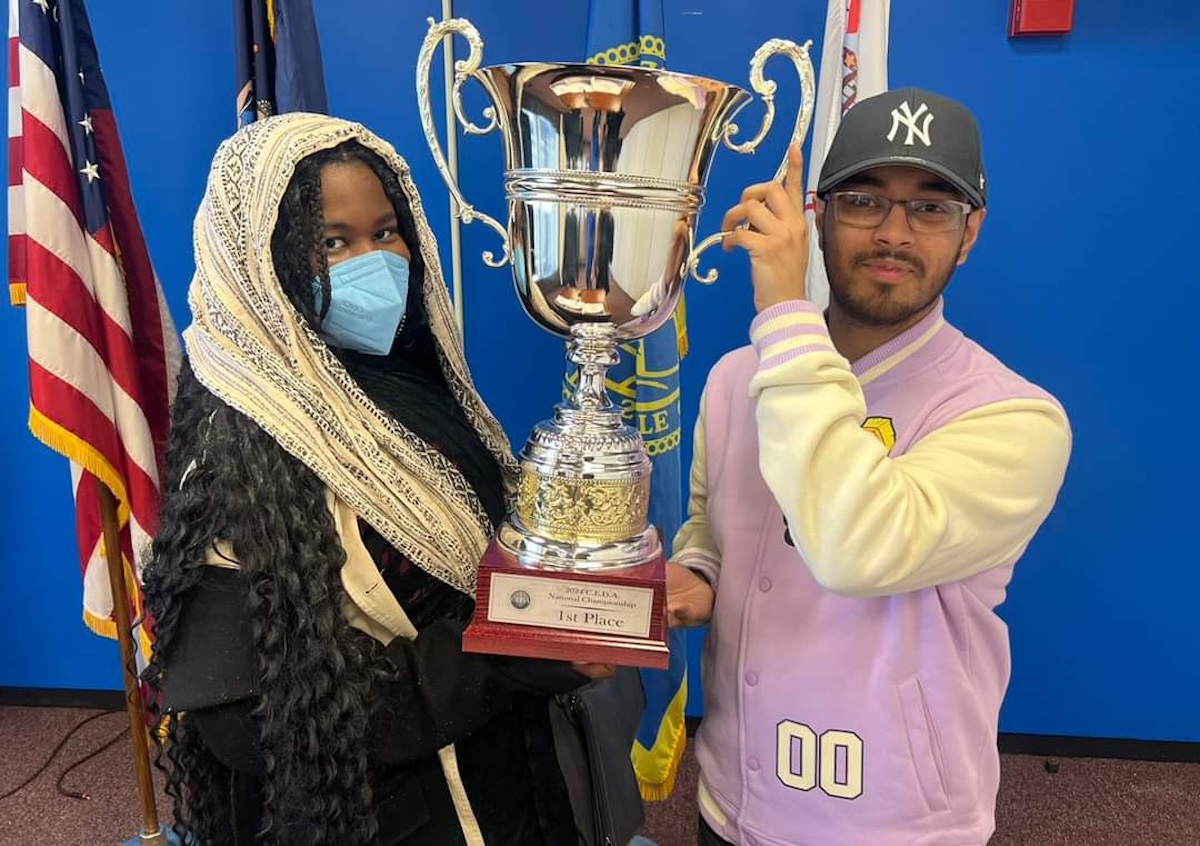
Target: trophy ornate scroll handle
{"points": [[765, 88], [464, 69]]}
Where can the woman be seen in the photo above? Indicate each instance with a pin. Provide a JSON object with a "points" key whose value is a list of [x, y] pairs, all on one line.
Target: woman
{"points": [[333, 480]]}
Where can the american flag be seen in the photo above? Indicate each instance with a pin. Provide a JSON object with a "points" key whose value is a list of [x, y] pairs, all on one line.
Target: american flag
{"points": [[103, 352], [853, 67]]}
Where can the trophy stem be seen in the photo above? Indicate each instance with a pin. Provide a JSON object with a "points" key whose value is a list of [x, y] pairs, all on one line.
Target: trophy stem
{"points": [[593, 347]]}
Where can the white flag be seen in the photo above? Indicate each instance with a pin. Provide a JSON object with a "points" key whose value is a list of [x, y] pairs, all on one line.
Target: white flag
{"points": [[853, 67]]}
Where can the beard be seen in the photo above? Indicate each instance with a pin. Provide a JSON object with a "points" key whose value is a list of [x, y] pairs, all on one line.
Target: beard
{"points": [[873, 303]]}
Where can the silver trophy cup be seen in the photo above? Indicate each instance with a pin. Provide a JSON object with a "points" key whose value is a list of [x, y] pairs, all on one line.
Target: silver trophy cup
{"points": [[605, 173]]}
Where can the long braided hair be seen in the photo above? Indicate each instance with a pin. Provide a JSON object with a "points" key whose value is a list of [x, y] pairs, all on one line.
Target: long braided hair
{"points": [[228, 479]]}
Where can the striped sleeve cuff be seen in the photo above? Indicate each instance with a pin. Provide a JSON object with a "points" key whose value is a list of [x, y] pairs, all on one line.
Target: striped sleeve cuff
{"points": [[788, 330], [700, 563]]}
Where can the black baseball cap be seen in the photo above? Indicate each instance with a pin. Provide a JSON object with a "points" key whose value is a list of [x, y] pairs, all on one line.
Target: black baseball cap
{"points": [[908, 126]]}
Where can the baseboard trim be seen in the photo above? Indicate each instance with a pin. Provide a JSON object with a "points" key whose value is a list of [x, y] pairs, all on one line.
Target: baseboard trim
{"points": [[53, 697], [1066, 746]]}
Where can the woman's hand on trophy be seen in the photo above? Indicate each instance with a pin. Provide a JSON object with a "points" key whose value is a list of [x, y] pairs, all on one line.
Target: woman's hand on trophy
{"points": [[689, 597], [594, 671], [776, 236]]}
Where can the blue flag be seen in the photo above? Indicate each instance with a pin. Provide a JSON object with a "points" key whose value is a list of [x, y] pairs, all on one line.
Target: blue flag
{"points": [[646, 385], [278, 59]]}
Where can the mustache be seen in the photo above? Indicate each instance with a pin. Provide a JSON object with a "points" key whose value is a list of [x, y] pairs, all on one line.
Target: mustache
{"points": [[890, 255]]}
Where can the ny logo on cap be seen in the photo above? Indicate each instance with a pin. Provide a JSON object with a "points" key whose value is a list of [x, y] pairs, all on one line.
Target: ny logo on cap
{"points": [[905, 116]]}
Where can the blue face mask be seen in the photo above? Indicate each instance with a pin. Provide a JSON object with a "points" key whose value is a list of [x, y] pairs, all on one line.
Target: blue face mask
{"points": [[368, 296]]}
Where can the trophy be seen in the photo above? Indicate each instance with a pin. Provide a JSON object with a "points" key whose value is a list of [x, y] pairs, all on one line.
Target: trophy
{"points": [[606, 168]]}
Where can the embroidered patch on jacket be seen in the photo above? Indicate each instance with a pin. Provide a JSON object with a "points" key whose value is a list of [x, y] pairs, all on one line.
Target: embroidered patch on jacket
{"points": [[882, 428]]}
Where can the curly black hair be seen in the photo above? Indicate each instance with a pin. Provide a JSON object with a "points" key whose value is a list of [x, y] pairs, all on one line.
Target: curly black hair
{"points": [[243, 488]]}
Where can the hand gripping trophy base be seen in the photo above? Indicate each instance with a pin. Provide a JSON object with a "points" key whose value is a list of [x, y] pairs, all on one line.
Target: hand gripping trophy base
{"points": [[575, 572]]}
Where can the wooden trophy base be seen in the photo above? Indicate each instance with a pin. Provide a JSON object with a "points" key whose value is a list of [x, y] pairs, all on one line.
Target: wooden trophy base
{"points": [[612, 617]]}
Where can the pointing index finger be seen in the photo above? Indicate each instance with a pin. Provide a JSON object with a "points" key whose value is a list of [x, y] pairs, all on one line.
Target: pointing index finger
{"points": [[793, 178]]}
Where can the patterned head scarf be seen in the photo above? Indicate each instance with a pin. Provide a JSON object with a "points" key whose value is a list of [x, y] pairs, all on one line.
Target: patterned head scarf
{"points": [[250, 346]]}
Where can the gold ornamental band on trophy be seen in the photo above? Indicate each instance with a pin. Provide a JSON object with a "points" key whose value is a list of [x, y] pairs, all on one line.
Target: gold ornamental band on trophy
{"points": [[581, 510]]}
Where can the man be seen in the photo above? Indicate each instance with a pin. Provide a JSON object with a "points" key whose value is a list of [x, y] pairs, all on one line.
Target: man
{"points": [[864, 482]]}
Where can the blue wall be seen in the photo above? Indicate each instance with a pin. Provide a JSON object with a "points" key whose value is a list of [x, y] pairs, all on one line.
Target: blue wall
{"points": [[1089, 150]]}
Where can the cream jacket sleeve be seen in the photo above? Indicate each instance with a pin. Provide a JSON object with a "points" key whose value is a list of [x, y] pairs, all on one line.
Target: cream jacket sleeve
{"points": [[694, 545], [964, 498]]}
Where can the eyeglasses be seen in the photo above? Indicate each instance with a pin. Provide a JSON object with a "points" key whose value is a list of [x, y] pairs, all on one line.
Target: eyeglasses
{"points": [[867, 211]]}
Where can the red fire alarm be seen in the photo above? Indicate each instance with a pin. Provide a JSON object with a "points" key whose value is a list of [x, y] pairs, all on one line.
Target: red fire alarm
{"points": [[1040, 17]]}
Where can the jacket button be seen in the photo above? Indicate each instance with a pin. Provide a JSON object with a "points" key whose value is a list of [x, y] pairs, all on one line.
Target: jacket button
{"points": [[752, 679], [764, 584], [752, 765]]}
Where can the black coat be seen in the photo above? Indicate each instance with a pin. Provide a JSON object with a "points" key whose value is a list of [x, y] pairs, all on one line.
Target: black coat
{"points": [[495, 710]]}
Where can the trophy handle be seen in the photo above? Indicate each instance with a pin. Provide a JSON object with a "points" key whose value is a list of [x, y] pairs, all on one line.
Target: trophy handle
{"points": [[463, 70], [765, 88]]}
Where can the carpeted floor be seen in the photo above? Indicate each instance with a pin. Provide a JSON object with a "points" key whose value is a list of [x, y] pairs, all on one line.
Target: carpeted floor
{"points": [[1088, 802]]}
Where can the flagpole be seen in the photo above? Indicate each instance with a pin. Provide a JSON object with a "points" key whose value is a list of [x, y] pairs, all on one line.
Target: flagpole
{"points": [[452, 164], [151, 833]]}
